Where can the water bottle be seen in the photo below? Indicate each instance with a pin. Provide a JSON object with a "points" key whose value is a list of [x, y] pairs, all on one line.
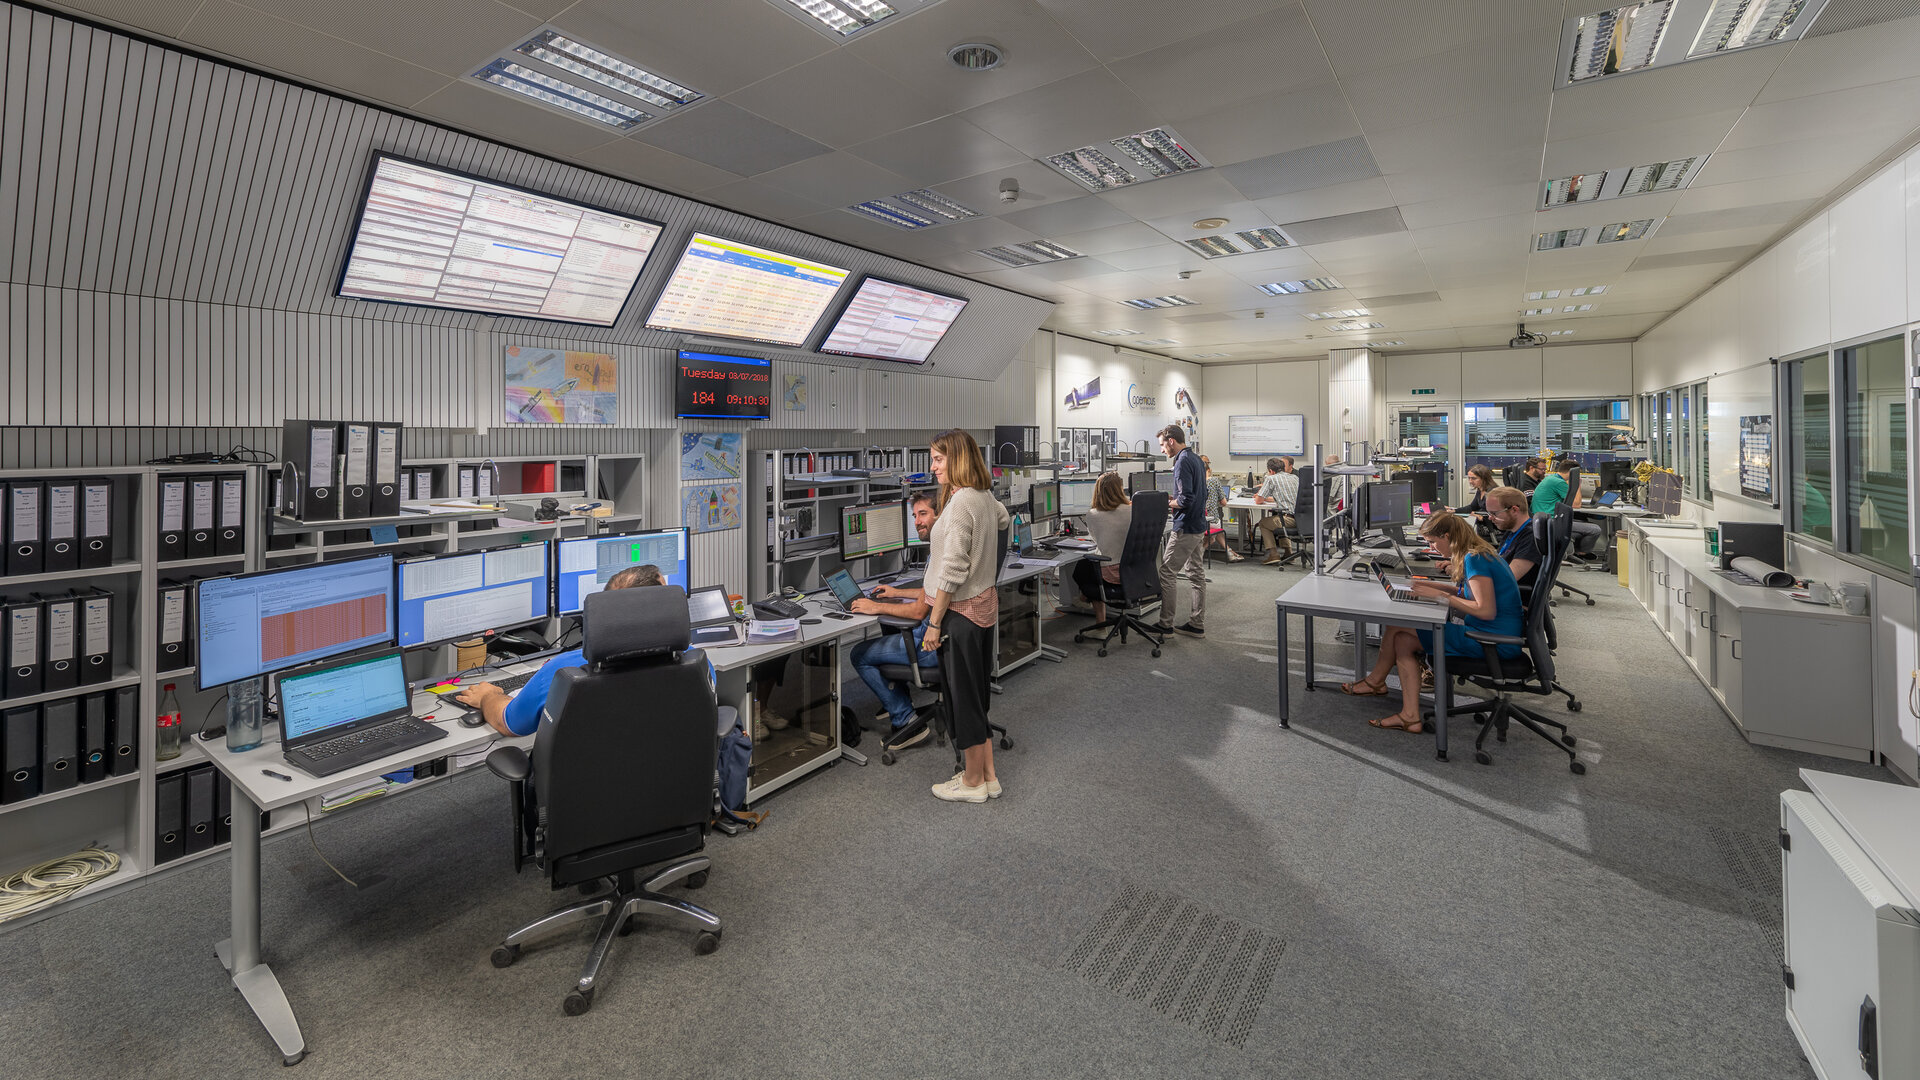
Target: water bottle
{"points": [[1015, 538], [243, 715], [167, 726]]}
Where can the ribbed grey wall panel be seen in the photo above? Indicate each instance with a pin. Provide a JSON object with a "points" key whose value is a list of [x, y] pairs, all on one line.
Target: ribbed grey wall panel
{"points": [[178, 226]]}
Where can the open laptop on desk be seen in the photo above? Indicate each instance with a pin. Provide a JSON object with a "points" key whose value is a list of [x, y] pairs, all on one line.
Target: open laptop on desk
{"points": [[343, 714], [1401, 591], [845, 591]]}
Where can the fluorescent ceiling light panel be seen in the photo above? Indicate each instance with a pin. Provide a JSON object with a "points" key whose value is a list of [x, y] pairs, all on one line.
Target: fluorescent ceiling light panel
{"points": [[1029, 253], [1130, 159], [1587, 290], [1288, 288], [1738, 24], [842, 19], [1210, 355], [1538, 311], [1214, 247], [1357, 326], [935, 204], [1624, 230], [1156, 341], [1383, 344], [1240, 243], [898, 218], [1660, 176], [559, 72], [1620, 39], [1576, 307], [606, 69], [1583, 187], [1151, 302], [1348, 313], [1621, 181], [1549, 294], [917, 209], [1559, 333], [1264, 239], [1559, 238], [1115, 333]]}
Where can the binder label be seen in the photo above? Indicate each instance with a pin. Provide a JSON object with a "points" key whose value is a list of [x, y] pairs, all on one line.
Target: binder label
{"points": [[97, 500], [483, 478], [320, 457], [232, 494], [26, 515], [23, 638], [173, 616], [173, 506], [466, 483], [203, 504], [60, 511], [59, 632], [357, 448], [98, 625], [386, 455]]}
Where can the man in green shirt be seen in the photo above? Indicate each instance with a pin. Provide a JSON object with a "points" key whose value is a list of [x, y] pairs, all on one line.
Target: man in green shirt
{"points": [[1557, 488]]}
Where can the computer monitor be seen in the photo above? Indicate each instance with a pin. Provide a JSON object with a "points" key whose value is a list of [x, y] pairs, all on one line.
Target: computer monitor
{"points": [[1424, 484], [914, 539], [1076, 496], [1387, 504], [1043, 500], [587, 563], [871, 529], [1614, 475], [459, 594], [254, 624]]}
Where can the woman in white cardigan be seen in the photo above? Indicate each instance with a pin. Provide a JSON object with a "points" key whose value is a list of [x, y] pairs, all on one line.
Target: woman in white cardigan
{"points": [[961, 574]]}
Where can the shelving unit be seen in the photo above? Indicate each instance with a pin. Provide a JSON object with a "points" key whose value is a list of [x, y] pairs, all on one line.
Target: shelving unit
{"points": [[793, 509]]}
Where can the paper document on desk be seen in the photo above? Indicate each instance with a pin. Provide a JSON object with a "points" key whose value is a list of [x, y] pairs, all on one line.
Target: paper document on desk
{"points": [[333, 800], [768, 631], [1074, 544]]}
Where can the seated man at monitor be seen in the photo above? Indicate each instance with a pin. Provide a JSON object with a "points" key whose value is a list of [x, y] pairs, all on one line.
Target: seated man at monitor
{"points": [[1534, 471], [1281, 488], [1507, 511], [888, 648], [520, 714], [1558, 488]]}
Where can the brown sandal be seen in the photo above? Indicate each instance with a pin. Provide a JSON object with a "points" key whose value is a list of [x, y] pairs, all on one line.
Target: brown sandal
{"points": [[1411, 727], [1371, 690]]}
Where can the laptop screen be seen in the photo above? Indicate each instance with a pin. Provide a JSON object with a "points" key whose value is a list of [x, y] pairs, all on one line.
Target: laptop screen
{"points": [[844, 590], [706, 606], [327, 697]]}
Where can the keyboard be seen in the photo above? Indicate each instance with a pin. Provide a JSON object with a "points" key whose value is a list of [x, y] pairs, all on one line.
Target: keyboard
{"points": [[360, 747], [514, 682]]}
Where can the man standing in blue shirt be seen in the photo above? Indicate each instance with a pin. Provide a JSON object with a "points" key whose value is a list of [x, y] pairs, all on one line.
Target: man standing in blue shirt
{"points": [[1185, 553]]}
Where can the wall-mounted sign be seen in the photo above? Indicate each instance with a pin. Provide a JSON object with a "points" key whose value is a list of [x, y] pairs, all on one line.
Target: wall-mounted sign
{"points": [[1139, 401], [1082, 396], [1426, 390]]}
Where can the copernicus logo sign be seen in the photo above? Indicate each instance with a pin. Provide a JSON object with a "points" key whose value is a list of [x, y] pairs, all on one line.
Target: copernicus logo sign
{"points": [[1140, 401], [1082, 396]]}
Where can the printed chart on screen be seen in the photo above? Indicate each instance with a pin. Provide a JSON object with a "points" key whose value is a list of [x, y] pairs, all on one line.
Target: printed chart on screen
{"points": [[741, 291], [889, 321], [436, 238]]}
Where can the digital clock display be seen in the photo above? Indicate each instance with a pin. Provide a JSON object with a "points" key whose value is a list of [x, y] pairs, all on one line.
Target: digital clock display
{"points": [[715, 385]]}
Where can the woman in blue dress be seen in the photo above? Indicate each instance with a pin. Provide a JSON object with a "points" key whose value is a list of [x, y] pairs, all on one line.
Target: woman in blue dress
{"points": [[1483, 593]]}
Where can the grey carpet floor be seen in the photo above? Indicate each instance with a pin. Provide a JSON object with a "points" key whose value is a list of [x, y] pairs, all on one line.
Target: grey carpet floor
{"points": [[1172, 886]]}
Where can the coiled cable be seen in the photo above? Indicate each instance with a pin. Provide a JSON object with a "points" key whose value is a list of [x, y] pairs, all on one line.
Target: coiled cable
{"points": [[29, 890]]}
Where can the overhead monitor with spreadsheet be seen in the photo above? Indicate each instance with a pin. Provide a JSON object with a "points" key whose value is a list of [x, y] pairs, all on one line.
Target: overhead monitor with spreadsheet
{"points": [[729, 289], [872, 529], [253, 624], [886, 320], [458, 594], [439, 238], [587, 563]]}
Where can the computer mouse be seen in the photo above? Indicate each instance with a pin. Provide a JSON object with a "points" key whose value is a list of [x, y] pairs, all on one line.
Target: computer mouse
{"points": [[809, 622], [1016, 566], [473, 719]]}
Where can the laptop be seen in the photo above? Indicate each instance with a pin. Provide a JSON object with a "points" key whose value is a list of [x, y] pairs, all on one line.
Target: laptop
{"points": [[1400, 592], [342, 714], [840, 585], [711, 617], [1608, 498]]}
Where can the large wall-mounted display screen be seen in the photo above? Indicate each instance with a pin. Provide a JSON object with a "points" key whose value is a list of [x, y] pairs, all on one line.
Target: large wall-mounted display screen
{"points": [[438, 238], [714, 385], [886, 320], [736, 290]]}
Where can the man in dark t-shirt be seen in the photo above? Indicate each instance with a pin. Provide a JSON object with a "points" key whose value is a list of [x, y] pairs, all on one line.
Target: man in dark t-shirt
{"points": [[1507, 509]]}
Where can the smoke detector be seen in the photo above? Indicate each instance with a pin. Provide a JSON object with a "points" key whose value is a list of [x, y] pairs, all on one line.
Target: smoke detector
{"points": [[1208, 224], [1010, 190]]}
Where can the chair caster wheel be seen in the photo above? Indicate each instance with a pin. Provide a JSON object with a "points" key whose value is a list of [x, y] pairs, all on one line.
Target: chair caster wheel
{"points": [[1156, 653], [1078, 639], [577, 1003], [1568, 740], [1589, 601], [708, 941], [698, 879], [1483, 757], [505, 955], [1573, 706], [886, 757], [1579, 767], [1102, 652], [1006, 743], [296, 1059]]}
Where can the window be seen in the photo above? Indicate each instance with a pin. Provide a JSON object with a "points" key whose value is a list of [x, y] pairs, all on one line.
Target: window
{"points": [[1586, 430], [1684, 444], [1500, 433], [1874, 451], [1810, 461], [1705, 487]]}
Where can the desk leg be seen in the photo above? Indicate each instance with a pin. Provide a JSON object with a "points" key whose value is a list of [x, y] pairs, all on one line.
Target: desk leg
{"points": [[1283, 664], [1306, 646], [1359, 650], [1442, 694], [240, 954]]}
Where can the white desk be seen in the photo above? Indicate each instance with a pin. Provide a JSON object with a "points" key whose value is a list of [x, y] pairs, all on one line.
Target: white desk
{"points": [[1008, 641], [1363, 601], [1243, 507], [253, 792]]}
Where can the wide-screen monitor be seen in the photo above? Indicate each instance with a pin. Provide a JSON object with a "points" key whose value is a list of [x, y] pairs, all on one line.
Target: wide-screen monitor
{"points": [[1043, 500], [886, 320], [258, 623], [1388, 504], [715, 385], [1615, 474], [737, 290], [872, 529], [1425, 484], [438, 238], [462, 593], [1076, 496], [587, 563]]}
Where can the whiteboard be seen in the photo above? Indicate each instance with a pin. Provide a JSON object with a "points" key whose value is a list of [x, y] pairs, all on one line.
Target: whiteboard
{"points": [[1745, 394], [1267, 436]]}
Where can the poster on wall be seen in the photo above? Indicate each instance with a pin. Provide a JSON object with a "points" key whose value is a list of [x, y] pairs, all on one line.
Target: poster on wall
{"points": [[556, 386], [711, 455], [1756, 457], [1081, 441], [710, 507], [793, 393]]}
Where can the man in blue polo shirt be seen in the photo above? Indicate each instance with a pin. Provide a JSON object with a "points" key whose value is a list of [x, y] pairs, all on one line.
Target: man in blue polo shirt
{"points": [[1185, 554]]}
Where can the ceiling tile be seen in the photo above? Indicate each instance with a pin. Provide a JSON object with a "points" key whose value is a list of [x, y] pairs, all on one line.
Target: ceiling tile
{"points": [[1505, 67], [655, 167], [939, 151], [1067, 216], [1144, 24], [165, 17], [1330, 230], [1077, 111], [1872, 54], [758, 199], [1691, 89], [453, 37], [1738, 217], [1835, 153], [1039, 186], [1772, 189], [1469, 141], [838, 99], [1710, 256], [1663, 140], [259, 39], [1493, 200], [838, 179], [1302, 170], [473, 107], [1258, 127], [1195, 191], [716, 48], [1110, 239], [1381, 33], [1347, 198], [1266, 54], [728, 137], [913, 49], [1887, 107], [1239, 215]]}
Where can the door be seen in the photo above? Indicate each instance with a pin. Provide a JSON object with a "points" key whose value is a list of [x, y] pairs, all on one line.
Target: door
{"points": [[1434, 425]]}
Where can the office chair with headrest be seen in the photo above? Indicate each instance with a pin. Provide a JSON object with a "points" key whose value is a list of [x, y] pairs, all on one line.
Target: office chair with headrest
{"points": [[1529, 673], [623, 774], [1300, 534], [1510, 476], [916, 677], [1139, 575]]}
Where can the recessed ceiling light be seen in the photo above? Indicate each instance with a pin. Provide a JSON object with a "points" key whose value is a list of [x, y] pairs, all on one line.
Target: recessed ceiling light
{"points": [[1214, 247], [1538, 311], [1348, 313], [1624, 230], [1737, 24], [937, 204], [841, 19], [1288, 288], [1559, 333], [892, 215], [1030, 253], [1115, 333], [1151, 302], [1210, 355], [1153, 154], [1559, 238], [556, 71], [1208, 224], [1549, 294], [1617, 40], [1357, 326], [1588, 290], [1576, 307], [1582, 187], [973, 55], [1659, 176], [917, 209], [1622, 181], [1383, 344], [1156, 341]]}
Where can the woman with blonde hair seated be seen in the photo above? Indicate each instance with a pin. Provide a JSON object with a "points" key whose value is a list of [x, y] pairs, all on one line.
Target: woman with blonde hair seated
{"points": [[1107, 523]]}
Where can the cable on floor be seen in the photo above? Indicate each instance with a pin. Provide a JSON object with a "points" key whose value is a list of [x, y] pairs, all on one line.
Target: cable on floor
{"points": [[36, 887]]}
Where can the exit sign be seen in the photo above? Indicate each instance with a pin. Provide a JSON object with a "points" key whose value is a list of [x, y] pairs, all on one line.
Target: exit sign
{"points": [[1428, 390]]}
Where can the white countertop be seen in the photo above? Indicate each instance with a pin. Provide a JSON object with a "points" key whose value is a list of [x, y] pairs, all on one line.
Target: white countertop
{"points": [[1880, 817], [1689, 551]]}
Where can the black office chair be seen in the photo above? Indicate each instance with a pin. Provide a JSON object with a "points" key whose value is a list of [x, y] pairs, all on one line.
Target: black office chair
{"points": [[932, 679], [1529, 673], [1139, 575], [623, 773], [1299, 534]]}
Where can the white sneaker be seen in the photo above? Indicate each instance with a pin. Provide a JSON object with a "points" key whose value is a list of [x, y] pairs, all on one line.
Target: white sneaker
{"points": [[956, 790], [760, 732], [993, 786], [775, 722]]}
